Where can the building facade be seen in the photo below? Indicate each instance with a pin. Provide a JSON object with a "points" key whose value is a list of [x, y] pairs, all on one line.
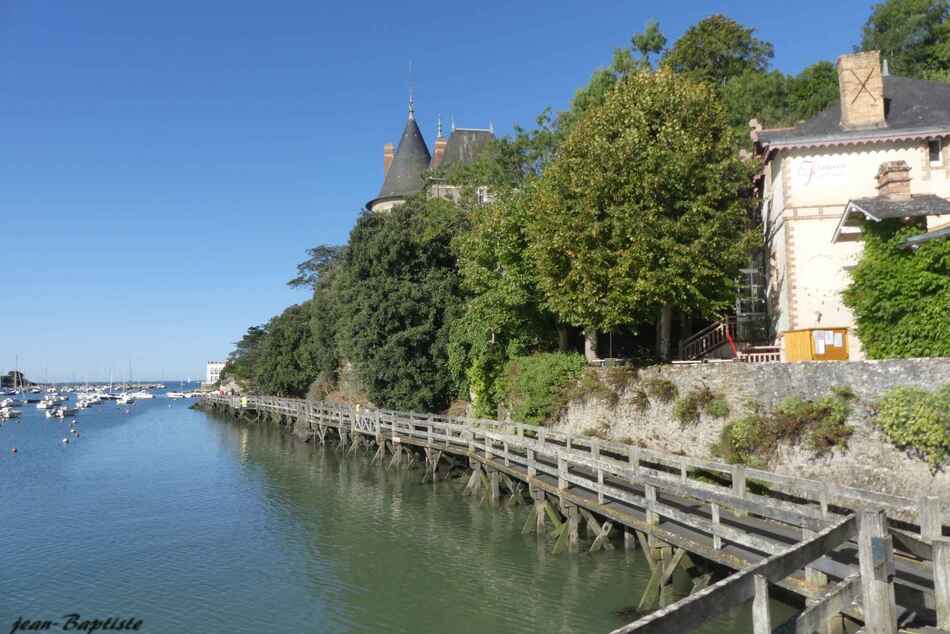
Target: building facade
{"points": [[213, 372], [882, 151]]}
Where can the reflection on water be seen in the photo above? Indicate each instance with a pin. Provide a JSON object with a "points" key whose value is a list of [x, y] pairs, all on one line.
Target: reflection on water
{"points": [[199, 524]]}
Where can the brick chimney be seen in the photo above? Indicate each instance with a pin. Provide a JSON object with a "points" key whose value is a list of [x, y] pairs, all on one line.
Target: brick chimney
{"points": [[439, 150], [861, 88], [893, 180], [387, 157]]}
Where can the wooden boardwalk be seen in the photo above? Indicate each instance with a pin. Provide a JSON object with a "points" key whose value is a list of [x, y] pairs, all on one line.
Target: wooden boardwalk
{"points": [[879, 559]]}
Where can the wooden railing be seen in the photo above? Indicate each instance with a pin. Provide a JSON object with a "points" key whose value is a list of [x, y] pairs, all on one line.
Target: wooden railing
{"points": [[735, 515], [708, 339]]}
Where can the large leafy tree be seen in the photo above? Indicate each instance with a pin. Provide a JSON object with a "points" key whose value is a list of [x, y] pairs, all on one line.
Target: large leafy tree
{"points": [[242, 362], [912, 35], [504, 314], [284, 364], [646, 206], [399, 294], [321, 260], [901, 298], [718, 48]]}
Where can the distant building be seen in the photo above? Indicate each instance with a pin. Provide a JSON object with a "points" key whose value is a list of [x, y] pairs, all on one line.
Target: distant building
{"points": [[213, 372], [406, 169], [14, 379], [881, 152]]}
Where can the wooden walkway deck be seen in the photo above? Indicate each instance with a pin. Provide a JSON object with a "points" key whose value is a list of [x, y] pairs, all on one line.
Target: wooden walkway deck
{"points": [[879, 559]]}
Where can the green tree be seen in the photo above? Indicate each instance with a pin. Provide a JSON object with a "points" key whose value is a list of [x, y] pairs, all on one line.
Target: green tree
{"points": [[811, 91], [399, 294], [718, 49], [504, 315], [309, 271], [242, 361], [901, 298], [284, 365], [912, 35], [646, 206]]}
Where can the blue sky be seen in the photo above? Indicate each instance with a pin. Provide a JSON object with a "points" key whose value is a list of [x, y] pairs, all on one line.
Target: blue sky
{"points": [[164, 165]]}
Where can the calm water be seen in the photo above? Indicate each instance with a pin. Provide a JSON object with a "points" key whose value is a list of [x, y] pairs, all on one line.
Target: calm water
{"points": [[196, 524]]}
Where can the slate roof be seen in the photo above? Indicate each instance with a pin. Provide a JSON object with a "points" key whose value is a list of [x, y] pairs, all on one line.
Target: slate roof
{"points": [[882, 208], [913, 108], [464, 146], [404, 177]]}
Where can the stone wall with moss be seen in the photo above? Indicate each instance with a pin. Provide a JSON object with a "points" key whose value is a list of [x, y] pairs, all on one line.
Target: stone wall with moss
{"points": [[684, 409]]}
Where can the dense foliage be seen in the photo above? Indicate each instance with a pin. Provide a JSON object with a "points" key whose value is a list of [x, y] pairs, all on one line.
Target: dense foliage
{"points": [[645, 205], [901, 298], [919, 420], [399, 294], [532, 388], [913, 36], [820, 424]]}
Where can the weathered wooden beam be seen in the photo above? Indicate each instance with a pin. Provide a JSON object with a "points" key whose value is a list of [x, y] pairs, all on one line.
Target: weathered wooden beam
{"points": [[816, 617], [877, 576], [941, 571], [761, 615]]}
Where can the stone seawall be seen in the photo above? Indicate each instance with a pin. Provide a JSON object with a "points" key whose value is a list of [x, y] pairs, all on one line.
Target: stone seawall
{"points": [[870, 460]]}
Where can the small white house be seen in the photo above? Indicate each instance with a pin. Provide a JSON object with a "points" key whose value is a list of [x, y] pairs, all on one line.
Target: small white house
{"points": [[213, 372], [881, 151]]}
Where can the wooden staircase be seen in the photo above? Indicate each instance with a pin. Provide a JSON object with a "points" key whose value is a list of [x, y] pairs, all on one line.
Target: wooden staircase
{"points": [[707, 340], [719, 334]]}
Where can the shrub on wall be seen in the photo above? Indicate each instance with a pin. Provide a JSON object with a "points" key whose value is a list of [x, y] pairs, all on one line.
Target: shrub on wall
{"points": [[901, 298], [663, 390], [915, 419], [533, 387], [754, 439], [687, 409]]}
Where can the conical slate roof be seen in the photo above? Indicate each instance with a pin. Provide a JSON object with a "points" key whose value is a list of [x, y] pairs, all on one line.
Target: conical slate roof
{"points": [[410, 162]]}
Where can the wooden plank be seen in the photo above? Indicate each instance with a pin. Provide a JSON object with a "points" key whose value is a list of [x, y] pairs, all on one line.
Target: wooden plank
{"points": [[877, 590], [834, 602], [941, 564]]}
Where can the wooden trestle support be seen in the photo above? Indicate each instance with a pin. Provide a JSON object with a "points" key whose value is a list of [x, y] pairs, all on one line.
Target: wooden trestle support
{"points": [[862, 556]]}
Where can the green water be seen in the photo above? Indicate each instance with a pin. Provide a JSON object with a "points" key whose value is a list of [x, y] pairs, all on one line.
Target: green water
{"points": [[198, 524]]}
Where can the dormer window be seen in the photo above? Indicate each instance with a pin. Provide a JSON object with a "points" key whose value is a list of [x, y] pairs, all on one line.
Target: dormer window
{"points": [[934, 150]]}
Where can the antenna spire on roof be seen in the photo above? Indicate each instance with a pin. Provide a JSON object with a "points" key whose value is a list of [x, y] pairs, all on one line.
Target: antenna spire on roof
{"points": [[412, 105], [453, 123], [491, 127], [438, 128]]}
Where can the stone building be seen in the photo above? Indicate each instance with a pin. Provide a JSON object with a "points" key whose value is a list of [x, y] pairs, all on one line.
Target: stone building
{"points": [[880, 152], [213, 372], [407, 170]]}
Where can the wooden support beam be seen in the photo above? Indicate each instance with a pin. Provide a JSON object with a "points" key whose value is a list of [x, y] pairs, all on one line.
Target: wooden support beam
{"points": [[941, 563], [629, 539], [877, 574], [761, 615], [602, 539]]}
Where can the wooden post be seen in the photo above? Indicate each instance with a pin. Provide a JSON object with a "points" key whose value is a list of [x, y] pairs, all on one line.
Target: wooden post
{"points": [[941, 565], [532, 468], [877, 574], [652, 517], [561, 473], [629, 539], [738, 486], [761, 617], [600, 484], [634, 458], [495, 490], [717, 540], [931, 518]]}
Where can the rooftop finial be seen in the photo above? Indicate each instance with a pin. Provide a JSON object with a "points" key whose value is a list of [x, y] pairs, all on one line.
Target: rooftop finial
{"points": [[412, 105], [453, 123], [438, 128], [491, 127]]}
